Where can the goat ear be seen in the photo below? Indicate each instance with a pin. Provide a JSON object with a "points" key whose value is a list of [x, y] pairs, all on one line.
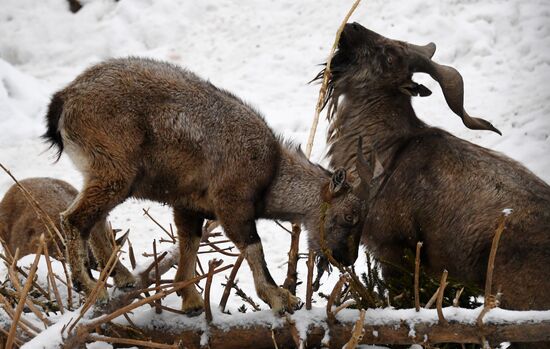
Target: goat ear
{"points": [[338, 181], [423, 91], [413, 89]]}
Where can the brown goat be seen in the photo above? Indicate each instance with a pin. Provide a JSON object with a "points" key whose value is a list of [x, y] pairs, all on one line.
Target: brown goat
{"points": [[20, 228], [147, 129], [436, 188]]}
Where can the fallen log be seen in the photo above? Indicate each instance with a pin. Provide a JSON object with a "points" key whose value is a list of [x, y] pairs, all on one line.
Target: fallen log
{"points": [[379, 328], [260, 336]]}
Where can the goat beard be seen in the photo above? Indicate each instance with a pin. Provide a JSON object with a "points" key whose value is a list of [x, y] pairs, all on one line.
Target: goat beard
{"points": [[322, 266]]}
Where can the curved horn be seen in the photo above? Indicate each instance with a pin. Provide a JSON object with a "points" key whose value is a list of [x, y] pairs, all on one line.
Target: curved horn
{"points": [[426, 50], [452, 86]]}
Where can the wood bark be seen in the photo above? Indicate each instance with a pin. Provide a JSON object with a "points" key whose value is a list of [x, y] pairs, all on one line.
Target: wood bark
{"points": [[260, 336]]}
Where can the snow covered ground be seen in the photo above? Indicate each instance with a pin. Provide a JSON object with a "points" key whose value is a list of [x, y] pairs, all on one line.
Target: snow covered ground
{"points": [[266, 52]]}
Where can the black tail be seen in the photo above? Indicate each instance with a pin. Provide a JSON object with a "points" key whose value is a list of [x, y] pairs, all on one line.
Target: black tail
{"points": [[52, 135]]}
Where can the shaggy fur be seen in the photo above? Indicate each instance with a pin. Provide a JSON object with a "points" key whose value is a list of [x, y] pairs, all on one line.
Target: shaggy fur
{"points": [[21, 229], [147, 129], [437, 188]]}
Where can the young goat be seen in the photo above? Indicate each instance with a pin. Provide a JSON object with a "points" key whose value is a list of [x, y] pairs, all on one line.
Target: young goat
{"points": [[147, 129], [436, 188], [20, 228]]}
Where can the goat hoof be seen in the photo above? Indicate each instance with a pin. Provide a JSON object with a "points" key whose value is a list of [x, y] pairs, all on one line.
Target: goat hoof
{"points": [[192, 304], [102, 298], [124, 279], [125, 287], [194, 312], [285, 302], [77, 285]]}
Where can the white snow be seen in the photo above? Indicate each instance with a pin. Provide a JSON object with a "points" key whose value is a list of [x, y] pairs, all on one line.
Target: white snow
{"points": [[266, 52]]}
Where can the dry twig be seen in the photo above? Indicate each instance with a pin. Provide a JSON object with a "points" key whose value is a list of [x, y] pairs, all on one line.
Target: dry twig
{"points": [[357, 332], [493, 254], [131, 255], [12, 262], [309, 289], [25, 325], [30, 302], [82, 331], [333, 296], [135, 342], [99, 286], [19, 309], [273, 338], [346, 304], [324, 84], [491, 301], [230, 282], [417, 277], [457, 297], [209, 226], [175, 287], [439, 304], [292, 271], [158, 302], [220, 250], [212, 265], [170, 235], [239, 292], [18, 341], [51, 278]]}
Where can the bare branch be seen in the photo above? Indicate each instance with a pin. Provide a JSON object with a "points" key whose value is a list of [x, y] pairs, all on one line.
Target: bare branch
{"points": [[439, 305], [230, 282], [417, 277]]}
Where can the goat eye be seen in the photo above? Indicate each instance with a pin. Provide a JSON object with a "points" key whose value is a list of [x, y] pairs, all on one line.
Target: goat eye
{"points": [[348, 218], [390, 60]]}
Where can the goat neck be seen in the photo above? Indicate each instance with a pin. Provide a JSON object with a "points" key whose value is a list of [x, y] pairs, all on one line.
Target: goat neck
{"points": [[295, 192], [380, 118]]}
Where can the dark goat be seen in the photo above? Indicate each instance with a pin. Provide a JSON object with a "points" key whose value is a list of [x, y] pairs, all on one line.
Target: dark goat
{"points": [[436, 188], [147, 129]]}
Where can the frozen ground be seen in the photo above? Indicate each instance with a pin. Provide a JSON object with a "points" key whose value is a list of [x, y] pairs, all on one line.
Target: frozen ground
{"points": [[266, 52]]}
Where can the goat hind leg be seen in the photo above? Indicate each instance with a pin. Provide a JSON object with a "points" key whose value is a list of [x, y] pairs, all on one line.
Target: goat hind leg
{"points": [[189, 226], [91, 205], [102, 247]]}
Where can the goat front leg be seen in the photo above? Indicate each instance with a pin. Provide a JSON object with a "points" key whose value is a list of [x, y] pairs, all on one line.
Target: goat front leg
{"points": [[278, 298], [239, 225], [92, 205], [189, 226]]}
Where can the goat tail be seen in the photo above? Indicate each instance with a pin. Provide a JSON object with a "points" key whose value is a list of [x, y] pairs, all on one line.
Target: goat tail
{"points": [[53, 135]]}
